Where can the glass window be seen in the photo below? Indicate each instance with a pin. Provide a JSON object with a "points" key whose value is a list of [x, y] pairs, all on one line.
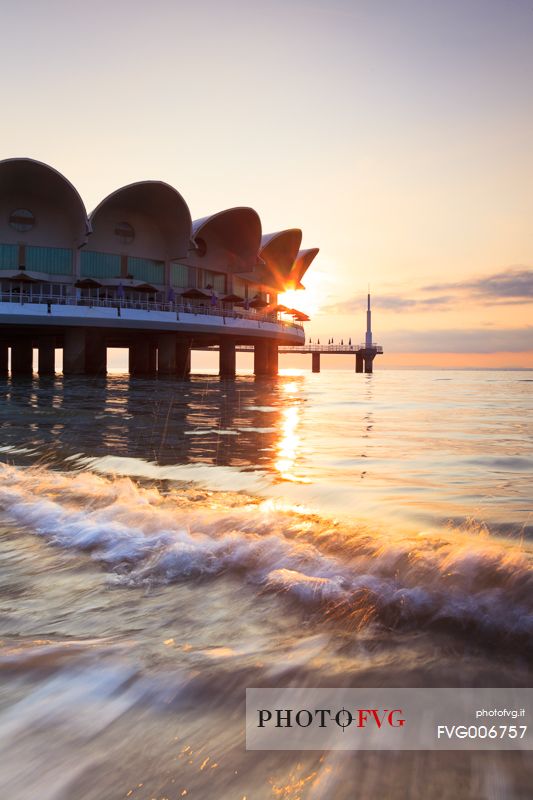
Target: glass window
{"points": [[219, 283], [57, 260], [22, 220], [239, 286], [214, 280], [180, 276], [146, 269]]}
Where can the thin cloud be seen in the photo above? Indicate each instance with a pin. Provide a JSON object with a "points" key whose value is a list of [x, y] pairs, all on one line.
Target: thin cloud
{"points": [[510, 287], [514, 284], [391, 302], [468, 340]]}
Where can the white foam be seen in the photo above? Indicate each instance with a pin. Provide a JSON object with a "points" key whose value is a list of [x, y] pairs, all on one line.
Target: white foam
{"points": [[142, 535]]}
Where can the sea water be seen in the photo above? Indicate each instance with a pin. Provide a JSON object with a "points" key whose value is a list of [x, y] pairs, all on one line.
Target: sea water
{"points": [[165, 545]]}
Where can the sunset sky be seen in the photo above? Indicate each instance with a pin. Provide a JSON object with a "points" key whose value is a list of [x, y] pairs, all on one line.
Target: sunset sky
{"points": [[396, 133]]}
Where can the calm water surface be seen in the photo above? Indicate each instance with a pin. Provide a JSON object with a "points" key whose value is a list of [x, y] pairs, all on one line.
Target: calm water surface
{"points": [[164, 545]]}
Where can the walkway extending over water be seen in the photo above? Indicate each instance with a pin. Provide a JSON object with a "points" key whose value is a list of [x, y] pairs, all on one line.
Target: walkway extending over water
{"points": [[159, 336]]}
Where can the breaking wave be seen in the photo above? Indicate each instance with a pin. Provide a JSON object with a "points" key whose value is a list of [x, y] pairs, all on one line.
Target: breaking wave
{"points": [[462, 581]]}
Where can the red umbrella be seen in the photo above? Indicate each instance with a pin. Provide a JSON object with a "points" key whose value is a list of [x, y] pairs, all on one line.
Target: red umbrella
{"points": [[145, 287], [231, 298], [257, 302], [299, 315], [87, 283], [194, 294], [22, 277]]}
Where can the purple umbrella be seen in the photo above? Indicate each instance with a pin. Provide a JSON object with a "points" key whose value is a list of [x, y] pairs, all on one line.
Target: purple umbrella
{"points": [[171, 295], [120, 291]]}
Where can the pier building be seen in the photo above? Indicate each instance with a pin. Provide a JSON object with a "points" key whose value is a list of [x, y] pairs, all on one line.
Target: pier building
{"points": [[137, 272]]}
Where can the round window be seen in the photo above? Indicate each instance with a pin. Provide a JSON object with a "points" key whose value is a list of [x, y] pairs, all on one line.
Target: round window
{"points": [[22, 220], [125, 232]]}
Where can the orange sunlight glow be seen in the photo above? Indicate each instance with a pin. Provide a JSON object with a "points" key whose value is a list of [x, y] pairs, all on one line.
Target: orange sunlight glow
{"points": [[308, 300], [289, 442]]}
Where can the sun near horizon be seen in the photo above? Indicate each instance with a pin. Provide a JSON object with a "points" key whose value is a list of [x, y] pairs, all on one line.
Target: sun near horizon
{"points": [[390, 134]]}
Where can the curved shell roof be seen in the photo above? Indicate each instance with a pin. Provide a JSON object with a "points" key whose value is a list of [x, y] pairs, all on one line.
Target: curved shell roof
{"points": [[156, 200], [162, 227], [302, 263], [23, 178], [279, 251], [232, 235]]}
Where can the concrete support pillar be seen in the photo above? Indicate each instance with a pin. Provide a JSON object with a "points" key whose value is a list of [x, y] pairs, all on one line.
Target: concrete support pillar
{"points": [[315, 359], [139, 357], [228, 361], [359, 362], [143, 357], [369, 358], [21, 357], [74, 351], [152, 358], [183, 360], [261, 358], [95, 353], [3, 358], [47, 355], [166, 354], [273, 358]]}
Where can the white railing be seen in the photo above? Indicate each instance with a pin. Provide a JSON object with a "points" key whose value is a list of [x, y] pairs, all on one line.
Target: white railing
{"points": [[327, 348], [147, 305], [330, 348], [315, 348]]}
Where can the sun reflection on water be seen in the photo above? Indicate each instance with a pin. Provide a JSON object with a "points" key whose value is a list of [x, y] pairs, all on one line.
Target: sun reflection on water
{"points": [[289, 443]]}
